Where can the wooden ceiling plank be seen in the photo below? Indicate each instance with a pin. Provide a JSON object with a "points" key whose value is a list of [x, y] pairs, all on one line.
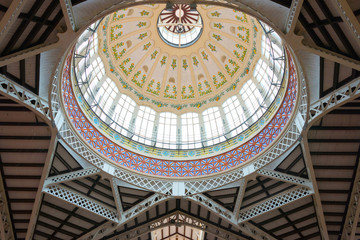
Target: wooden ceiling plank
{"points": [[20, 30], [326, 11], [311, 12], [352, 209], [34, 31], [10, 17]]}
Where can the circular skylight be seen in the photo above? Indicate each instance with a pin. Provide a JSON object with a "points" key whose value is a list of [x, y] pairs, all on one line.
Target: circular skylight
{"points": [[180, 25]]}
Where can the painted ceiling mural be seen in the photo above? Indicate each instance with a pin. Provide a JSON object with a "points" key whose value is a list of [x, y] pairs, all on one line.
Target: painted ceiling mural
{"points": [[179, 79]]}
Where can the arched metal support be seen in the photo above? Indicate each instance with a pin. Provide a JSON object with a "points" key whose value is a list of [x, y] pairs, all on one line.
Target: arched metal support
{"points": [[21, 95], [333, 100], [230, 217]]}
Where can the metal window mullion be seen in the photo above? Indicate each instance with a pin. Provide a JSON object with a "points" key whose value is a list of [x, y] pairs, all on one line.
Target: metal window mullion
{"points": [[246, 110], [225, 123], [263, 92], [202, 131], [131, 129], [110, 115], [178, 132], [155, 129], [96, 89]]}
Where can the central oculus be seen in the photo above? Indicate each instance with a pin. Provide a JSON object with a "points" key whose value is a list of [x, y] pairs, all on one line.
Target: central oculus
{"points": [[180, 26]]}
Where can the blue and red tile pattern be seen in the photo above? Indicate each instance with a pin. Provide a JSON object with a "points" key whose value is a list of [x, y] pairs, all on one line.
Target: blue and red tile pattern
{"points": [[176, 168]]}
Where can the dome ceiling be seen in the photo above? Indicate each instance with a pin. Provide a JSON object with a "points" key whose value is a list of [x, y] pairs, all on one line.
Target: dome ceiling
{"points": [[135, 48]]}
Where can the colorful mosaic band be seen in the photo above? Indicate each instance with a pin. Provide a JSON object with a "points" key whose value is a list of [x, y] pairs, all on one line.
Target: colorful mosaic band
{"points": [[173, 168]]}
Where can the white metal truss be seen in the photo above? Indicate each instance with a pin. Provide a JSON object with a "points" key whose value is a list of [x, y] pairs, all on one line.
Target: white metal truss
{"points": [[214, 207], [6, 230], [317, 201], [293, 15], [71, 176], [274, 202], [352, 215], [230, 217], [82, 201], [102, 230], [180, 218], [285, 177], [126, 216], [334, 99], [20, 94], [240, 196], [115, 191]]}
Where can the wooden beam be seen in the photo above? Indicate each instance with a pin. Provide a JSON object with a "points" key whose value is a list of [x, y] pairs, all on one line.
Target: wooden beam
{"points": [[10, 17], [317, 201], [349, 18], [332, 56]]}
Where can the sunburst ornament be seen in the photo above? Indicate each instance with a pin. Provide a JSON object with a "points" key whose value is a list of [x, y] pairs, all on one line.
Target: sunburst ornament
{"points": [[180, 26]]}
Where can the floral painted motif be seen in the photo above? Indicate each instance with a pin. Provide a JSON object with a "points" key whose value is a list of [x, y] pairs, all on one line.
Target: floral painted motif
{"points": [[163, 60], [153, 55], [128, 70], [216, 37], [115, 35], [234, 70], [195, 61], [190, 94], [142, 36], [117, 17], [136, 81], [173, 64], [144, 13], [151, 85], [215, 14], [141, 24], [218, 25], [247, 34], [212, 47], [147, 46], [204, 55], [117, 54], [222, 81], [185, 65], [237, 54], [171, 94], [242, 18], [204, 88]]}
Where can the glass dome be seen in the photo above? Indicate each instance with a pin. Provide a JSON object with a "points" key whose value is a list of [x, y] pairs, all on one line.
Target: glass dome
{"points": [[117, 59]]}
